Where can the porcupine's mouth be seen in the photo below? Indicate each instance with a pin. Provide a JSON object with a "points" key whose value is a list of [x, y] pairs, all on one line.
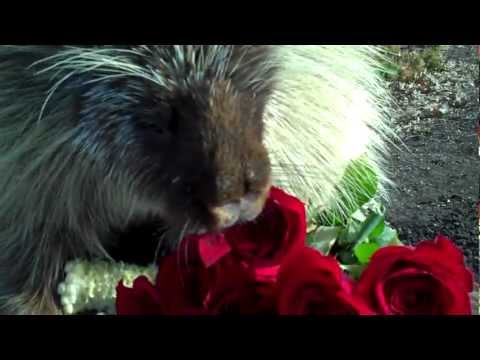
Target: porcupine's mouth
{"points": [[142, 242], [139, 243]]}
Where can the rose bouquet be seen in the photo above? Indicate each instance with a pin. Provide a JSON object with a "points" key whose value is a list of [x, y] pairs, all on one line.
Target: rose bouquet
{"points": [[348, 263], [267, 267]]}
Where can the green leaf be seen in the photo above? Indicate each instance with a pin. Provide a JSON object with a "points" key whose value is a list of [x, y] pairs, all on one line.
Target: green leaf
{"points": [[347, 257], [354, 271], [359, 215], [376, 207], [374, 221], [349, 234], [324, 238], [379, 229], [389, 236], [364, 251]]}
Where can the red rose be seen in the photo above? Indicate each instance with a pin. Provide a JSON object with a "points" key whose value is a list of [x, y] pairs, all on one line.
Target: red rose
{"points": [[180, 287], [430, 279], [279, 230], [234, 290], [141, 299], [312, 284], [228, 287], [186, 286]]}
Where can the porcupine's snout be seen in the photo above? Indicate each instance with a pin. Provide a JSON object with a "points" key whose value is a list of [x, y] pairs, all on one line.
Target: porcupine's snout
{"points": [[246, 209]]}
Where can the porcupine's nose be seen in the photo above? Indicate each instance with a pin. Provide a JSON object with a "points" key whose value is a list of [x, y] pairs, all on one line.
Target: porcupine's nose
{"points": [[227, 215], [242, 202], [248, 208]]}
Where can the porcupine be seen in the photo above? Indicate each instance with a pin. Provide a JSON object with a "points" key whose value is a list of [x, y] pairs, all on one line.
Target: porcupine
{"points": [[96, 140]]}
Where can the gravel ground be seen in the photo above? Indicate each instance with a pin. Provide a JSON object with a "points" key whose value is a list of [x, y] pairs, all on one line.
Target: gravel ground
{"points": [[437, 179]]}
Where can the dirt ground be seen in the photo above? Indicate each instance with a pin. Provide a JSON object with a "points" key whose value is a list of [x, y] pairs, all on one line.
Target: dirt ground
{"points": [[437, 179]]}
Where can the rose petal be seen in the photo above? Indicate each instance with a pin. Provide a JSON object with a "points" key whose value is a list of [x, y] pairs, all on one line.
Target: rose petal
{"points": [[311, 283], [411, 280], [444, 255], [279, 230], [234, 289], [212, 248], [141, 299], [267, 274], [183, 285]]}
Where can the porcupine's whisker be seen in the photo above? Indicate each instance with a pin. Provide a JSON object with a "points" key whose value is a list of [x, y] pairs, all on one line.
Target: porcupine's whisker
{"points": [[196, 227], [52, 91], [182, 233], [81, 61], [159, 244], [57, 85], [298, 172], [187, 223], [285, 165]]}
